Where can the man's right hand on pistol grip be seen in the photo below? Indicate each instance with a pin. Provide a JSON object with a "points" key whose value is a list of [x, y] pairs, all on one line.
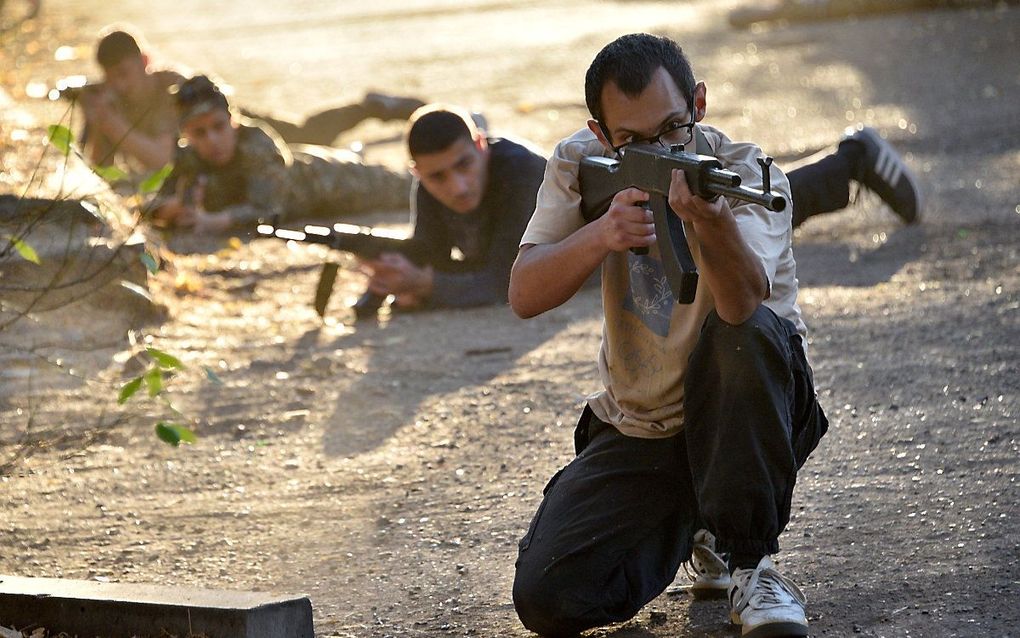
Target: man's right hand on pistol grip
{"points": [[627, 223]]}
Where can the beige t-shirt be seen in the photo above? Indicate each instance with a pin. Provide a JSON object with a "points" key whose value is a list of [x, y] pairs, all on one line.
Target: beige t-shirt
{"points": [[647, 337]]}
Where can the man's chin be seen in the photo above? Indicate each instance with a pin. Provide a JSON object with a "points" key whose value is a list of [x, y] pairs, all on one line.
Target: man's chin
{"points": [[464, 207], [218, 160]]}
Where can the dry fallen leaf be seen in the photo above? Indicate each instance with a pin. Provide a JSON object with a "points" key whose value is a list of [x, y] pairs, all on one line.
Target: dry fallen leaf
{"points": [[186, 284]]}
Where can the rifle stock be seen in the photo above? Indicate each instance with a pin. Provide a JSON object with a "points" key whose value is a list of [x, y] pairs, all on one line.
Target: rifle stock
{"points": [[649, 168]]}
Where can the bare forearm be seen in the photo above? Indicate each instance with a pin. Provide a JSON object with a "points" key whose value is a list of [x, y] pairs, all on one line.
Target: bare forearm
{"points": [[545, 276], [732, 272], [153, 152]]}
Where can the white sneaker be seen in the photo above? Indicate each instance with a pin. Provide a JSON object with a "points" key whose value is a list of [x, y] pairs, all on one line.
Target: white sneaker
{"points": [[766, 604], [706, 575]]}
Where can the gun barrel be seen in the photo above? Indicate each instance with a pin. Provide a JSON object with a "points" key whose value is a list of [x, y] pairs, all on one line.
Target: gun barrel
{"points": [[286, 234], [721, 177], [771, 201]]}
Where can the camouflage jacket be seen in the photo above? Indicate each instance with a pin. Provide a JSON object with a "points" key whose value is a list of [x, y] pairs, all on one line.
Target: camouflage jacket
{"points": [[266, 178]]}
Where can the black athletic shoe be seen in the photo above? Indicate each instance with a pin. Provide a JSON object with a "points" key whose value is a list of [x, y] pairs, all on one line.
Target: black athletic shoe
{"points": [[885, 173]]}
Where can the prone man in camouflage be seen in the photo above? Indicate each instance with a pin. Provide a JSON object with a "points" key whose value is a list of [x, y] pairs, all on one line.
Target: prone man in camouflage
{"points": [[234, 172]]}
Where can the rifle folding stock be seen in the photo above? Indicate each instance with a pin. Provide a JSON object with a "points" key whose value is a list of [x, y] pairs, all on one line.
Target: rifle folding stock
{"points": [[649, 168]]}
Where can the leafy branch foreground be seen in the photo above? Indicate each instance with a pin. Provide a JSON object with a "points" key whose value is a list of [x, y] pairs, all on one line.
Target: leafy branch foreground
{"points": [[161, 366]]}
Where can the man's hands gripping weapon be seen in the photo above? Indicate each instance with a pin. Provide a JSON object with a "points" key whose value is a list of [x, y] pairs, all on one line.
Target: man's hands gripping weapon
{"points": [[649, 168]]}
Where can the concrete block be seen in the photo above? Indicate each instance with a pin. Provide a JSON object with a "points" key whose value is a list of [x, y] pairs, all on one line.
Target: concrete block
{"points": [[89, 609]]}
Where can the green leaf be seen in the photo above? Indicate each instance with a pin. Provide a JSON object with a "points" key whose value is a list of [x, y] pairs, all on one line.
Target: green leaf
{"points": [[164, 360], [111, 173], [154, 182], [129, 389], [25, 250], [186, 435], [60, 137], [154, 381], [150, 263], [174, 434], [212, 376]]}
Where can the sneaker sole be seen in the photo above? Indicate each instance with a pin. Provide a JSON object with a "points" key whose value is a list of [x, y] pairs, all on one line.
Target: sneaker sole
{"points": [[771, 630], [777, 630], [887, 153]]}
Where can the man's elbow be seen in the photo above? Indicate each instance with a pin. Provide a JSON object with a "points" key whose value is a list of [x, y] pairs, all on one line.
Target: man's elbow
{"points": [[522, 309], [737, 311], [735, 316], [158, 160], [519, 301], [161, 154]]}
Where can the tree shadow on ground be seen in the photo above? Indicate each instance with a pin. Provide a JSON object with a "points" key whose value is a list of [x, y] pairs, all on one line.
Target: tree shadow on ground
{"points": [[413, 358], [826, 263]]}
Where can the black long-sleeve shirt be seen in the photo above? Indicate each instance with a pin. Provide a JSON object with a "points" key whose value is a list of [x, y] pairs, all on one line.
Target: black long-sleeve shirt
{"points": [[486, 238]]}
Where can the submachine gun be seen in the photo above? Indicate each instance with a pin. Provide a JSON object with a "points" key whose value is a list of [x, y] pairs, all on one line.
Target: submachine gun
{"points": [[362, 241], [649, 167]]}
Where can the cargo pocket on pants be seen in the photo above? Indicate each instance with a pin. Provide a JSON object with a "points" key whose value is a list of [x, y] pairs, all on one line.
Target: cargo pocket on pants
{"points": [[526, 541]]}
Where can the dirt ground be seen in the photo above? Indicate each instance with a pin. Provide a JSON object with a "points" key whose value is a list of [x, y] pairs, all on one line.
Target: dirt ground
{"points": [[388, 469]]}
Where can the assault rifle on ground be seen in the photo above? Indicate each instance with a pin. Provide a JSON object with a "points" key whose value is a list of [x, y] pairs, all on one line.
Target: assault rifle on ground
{"points": [[649, 167], [361, 241]]}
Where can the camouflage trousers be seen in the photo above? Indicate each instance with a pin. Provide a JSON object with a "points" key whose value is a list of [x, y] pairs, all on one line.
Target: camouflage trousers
{"points": [[329, 182]]}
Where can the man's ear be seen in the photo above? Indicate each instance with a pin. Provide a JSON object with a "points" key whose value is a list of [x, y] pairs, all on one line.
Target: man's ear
{"points": [[145, 61], [481, 142], [413, 168], [596, 128], [700, 103]]}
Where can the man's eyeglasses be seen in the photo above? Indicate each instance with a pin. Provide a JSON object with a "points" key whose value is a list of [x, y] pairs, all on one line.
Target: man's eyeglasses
{"points": [[674, 133]]}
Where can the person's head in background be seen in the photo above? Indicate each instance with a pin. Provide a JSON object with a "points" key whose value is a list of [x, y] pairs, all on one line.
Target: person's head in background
{"points": [[449, 156], [125, 66], [205, 120]]}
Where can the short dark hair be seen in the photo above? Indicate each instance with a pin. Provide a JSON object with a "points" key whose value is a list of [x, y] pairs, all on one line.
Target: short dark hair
{"points": [[114, 47], [629, 62], [435, 127], [196, 96]]}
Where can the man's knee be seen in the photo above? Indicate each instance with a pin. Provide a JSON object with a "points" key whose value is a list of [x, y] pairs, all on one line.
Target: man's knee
{"points": [[763, 323], [544, 606], [731, 346]]}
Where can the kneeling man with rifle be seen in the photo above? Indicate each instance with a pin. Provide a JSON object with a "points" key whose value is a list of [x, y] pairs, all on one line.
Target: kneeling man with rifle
{"points": [[690, 451]]}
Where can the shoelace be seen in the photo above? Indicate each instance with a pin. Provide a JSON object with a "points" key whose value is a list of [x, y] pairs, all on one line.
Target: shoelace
{"points": [[768, 586]]}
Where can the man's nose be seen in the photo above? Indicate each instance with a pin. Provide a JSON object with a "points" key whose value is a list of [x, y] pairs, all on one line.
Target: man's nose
{"points": [[461, 184]]}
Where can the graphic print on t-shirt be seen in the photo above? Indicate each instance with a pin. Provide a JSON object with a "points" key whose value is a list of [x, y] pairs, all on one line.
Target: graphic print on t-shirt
{"points": [[648, 295]]}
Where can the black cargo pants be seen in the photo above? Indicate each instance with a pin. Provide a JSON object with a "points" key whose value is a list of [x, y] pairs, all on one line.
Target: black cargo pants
{"points": [[616, 523]]}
